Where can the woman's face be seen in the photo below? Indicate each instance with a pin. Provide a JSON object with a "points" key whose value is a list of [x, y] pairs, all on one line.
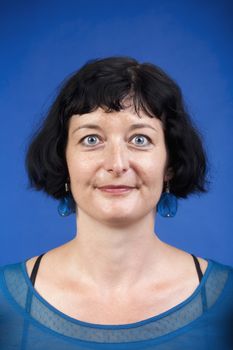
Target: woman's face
{"points": [[116, 150]]}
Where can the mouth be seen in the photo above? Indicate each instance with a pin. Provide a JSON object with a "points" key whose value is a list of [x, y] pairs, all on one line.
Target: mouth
{"points": [[116, 186], [116, 190]]}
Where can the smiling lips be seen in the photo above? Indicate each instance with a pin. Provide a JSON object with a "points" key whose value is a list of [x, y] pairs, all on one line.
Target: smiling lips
{"points": [[116, 189]]}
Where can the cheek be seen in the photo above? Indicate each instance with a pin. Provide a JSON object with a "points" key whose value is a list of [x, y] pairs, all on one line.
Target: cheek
{"points": [[152, 169], [80, 169]]}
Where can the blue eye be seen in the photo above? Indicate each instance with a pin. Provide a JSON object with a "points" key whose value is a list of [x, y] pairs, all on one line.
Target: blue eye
{"points": [[141, 137], [93, 137]]}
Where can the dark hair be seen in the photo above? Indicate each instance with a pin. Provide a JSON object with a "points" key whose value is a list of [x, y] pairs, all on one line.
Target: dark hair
{"points": [[106, 83]]}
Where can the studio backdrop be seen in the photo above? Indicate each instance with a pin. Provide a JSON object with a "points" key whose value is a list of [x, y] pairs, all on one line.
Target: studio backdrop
{"points": [[43, 42]]}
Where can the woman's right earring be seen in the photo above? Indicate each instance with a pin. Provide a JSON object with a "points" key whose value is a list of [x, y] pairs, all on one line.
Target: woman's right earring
{"points": [[66, 205]]}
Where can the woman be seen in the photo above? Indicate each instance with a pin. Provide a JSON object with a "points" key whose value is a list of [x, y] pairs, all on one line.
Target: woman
{"points": [[117, 148]]}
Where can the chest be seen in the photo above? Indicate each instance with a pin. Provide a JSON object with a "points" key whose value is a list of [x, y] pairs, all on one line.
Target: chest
{"points": [[115, 309]]}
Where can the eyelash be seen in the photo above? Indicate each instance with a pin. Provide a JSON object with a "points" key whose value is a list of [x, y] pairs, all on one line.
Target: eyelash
{"points": [[82, 140]]}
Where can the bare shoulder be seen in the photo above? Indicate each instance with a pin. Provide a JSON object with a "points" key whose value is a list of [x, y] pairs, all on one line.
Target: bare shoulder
{"points": [[183, 261], [49, 261], [188, 261], [30, 263], [203, 264]]}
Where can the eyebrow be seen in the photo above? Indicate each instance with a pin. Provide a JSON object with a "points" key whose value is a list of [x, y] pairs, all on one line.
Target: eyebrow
{"points": [[95, 126]]}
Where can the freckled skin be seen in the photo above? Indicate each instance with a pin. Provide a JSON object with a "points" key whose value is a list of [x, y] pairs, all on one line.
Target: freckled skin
{"points": [[116, 155]]}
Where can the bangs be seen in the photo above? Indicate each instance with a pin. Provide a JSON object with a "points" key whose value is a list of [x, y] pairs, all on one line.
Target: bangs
{"points": [[112, 90]]}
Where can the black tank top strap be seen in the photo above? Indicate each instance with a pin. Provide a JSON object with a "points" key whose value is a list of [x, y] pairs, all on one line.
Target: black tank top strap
{"points": [[35, 269], [198, 268]]}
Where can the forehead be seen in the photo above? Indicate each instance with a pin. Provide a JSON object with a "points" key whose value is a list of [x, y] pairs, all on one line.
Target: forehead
{"points": [[123, 119]]}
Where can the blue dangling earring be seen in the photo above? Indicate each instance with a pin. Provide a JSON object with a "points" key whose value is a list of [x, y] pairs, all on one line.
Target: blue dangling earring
{"points": [[167, 205], [67, 204]]}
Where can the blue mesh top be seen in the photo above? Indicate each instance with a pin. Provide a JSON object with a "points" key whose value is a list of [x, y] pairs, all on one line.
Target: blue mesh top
{"points": [[203, 321]]}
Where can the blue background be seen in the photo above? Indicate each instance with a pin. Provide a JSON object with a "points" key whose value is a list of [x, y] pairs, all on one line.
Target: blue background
{"points": [[44, 41]]}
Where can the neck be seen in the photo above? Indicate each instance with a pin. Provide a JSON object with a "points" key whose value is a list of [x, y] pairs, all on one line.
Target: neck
{"points": [[115, 259]]}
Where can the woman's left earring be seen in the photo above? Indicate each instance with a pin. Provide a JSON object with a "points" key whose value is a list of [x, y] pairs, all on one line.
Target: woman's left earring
{"points": [[167, 205], [66, 205]]}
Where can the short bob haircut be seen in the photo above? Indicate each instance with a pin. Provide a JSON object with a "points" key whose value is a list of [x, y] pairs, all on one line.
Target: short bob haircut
{"points": [[106, 83]]}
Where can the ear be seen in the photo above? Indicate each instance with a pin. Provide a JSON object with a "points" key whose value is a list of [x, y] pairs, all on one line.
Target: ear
{"points": [[168, 174]]}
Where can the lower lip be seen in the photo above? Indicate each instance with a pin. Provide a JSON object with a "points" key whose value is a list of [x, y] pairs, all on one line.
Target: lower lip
{"points": [[116, 190]]}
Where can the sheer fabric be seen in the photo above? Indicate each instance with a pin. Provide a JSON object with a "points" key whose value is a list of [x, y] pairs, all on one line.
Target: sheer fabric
{"points": [[202, 321]]}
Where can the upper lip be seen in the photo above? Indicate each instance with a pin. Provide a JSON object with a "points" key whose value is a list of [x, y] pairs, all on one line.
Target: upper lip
{"points": [[116, 186]]}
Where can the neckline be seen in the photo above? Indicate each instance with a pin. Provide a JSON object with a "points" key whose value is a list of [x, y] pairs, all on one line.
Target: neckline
{"points": [[120, 326]]}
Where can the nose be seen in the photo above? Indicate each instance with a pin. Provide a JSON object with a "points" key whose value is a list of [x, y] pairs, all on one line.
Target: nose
{"points": [[116, 158]]}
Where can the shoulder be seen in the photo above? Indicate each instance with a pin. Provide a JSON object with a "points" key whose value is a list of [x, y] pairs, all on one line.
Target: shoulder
{"points": [[220, 283], [203, 264], [221, 267], [15, 269], [11, 267], [50, 261], [219, 292], [220, 276], [11, 280], [29, 264]]}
